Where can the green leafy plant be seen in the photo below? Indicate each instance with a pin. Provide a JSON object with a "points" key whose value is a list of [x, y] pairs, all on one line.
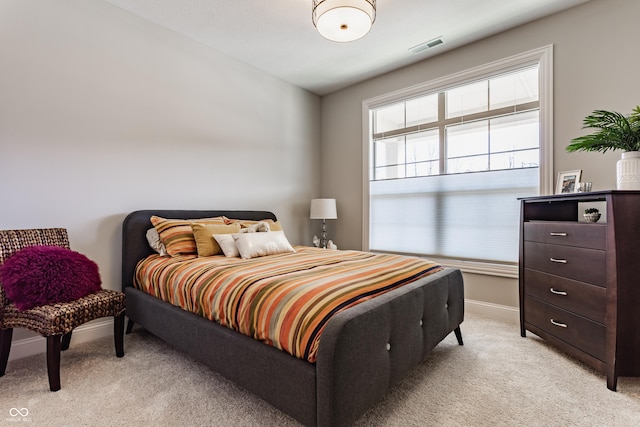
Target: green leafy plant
{"points": [[591, 211], [616, 132]]}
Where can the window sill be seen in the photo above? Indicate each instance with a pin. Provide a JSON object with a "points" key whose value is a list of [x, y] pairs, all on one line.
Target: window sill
{"points": [[477, 267], [510, 271]]}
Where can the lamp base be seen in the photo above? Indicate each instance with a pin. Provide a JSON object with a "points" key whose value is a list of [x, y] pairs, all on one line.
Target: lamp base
{"points": [[323, 241]]}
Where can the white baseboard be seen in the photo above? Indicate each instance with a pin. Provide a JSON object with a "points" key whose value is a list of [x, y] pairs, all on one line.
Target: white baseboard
{"points": [[504, 313], [104, 327], [87, 332]]}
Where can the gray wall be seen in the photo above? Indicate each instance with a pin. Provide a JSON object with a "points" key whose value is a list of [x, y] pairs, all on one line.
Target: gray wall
{"points": [[595, 67], [103, 113]]}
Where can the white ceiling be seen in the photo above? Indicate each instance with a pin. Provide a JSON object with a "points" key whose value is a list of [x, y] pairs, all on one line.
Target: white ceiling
{"points": [[277, 36]]}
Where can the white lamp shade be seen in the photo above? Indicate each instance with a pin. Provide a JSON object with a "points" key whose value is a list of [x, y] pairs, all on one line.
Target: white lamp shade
{"points": [[323, 209], [344, 20]]}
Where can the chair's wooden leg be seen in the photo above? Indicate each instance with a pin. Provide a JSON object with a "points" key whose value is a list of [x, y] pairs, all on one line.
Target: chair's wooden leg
{"points": [[5, 347], [118, 334], [458, 335], [130, 324], [66, 341], [53, 361]]}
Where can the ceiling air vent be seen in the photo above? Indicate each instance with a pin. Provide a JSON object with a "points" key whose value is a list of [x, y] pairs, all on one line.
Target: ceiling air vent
{"points": [[426, 45]]}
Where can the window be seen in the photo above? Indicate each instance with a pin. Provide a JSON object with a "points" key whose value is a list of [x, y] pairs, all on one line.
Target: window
{"points": [[448, 160]]}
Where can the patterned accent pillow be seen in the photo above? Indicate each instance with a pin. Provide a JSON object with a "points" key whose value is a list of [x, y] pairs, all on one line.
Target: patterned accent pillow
{"points": [[177, 235], [203, 234], [41, 275]]}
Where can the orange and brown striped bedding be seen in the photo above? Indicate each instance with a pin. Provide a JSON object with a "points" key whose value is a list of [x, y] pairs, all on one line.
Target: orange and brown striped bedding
{"points": [[283, 300]]}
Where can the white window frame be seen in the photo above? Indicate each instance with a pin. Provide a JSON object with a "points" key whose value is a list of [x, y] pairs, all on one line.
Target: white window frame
{"points": [[542, 56]]}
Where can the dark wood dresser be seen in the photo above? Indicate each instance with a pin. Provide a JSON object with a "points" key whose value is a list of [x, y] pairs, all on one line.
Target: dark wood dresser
{"points": [[580, 281]]}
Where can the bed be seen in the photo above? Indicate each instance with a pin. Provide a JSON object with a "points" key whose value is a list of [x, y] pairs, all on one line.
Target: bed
{"points": [[364, 350]]}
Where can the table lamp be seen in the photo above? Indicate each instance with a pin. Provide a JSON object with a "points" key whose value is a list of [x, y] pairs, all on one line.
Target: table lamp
{"points": [[323, 209]]}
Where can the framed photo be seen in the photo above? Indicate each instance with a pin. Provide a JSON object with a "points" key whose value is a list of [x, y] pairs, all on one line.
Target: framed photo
{"points": [[568, 181]]}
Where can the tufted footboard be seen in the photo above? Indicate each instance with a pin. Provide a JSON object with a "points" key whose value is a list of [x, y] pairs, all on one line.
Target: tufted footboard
{"points": [[367, 349]]}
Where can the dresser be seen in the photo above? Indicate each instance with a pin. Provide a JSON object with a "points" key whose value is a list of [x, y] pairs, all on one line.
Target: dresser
{"points": [[580, 282]]}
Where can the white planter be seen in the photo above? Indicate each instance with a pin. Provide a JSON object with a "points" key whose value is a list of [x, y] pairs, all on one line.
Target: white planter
{"points": [[628, 171]]}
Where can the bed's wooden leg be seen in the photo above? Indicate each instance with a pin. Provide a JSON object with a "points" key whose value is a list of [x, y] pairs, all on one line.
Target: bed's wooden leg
{"points": [[458, 335], [130, 324]]}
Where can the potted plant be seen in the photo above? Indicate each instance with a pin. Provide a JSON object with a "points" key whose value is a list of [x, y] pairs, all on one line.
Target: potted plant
{"points": [[615, 132], [591, 215]]}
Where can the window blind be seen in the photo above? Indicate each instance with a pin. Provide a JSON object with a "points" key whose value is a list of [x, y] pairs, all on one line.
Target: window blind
{"points": [[471, 216]]}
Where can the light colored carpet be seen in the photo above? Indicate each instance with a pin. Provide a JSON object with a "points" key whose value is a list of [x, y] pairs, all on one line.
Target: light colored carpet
{"points": [[496, 378]]}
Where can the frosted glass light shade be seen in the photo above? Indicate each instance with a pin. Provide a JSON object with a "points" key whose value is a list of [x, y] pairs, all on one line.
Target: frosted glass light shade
{"points": [[343, 20], [323, 209]]}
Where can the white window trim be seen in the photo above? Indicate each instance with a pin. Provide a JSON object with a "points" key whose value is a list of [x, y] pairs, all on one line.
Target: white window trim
{"points": [[542, 56]]}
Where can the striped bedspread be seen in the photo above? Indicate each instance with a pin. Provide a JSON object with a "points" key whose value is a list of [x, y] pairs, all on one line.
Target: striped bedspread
{"points": [[283, 300]]}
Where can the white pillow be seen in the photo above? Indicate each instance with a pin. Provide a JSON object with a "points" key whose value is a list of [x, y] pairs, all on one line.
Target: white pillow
{"points": [[227, 244], [252, 245], [154, 241]]}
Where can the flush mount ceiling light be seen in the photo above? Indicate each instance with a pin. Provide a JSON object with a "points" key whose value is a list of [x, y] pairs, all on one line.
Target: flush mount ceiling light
{"points": [[343, 20]]}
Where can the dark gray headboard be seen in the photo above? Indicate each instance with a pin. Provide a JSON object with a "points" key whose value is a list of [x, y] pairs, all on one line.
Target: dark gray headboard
{"points": [[135, 226]]}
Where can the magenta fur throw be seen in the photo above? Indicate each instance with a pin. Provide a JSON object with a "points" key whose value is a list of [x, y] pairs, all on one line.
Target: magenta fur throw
{"points": [[40, 275]]}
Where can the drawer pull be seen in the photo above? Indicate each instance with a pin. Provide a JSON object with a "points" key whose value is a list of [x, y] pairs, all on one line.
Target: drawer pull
{"points": [[559, 261], [553, 291], [562, 325], [558, 234]]}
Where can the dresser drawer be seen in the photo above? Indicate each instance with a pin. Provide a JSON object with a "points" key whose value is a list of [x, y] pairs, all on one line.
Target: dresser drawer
{"points": [[578, 297], [591, 236], [578, 331], [583, 265]]}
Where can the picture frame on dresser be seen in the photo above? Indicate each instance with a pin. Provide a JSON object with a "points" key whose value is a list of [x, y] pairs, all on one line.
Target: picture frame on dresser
{"points": [[568, 181]]}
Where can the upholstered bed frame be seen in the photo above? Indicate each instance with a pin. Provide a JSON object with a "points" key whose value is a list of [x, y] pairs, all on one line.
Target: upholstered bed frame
{"points": [[363, 351]]}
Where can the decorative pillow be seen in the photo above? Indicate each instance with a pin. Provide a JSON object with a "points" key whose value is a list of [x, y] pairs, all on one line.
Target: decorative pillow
{"points": [[227, 244], [252, 245], [176, 234], [258, 227], [203, 234], [40, 275], [245, 223], [154, 241]]}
